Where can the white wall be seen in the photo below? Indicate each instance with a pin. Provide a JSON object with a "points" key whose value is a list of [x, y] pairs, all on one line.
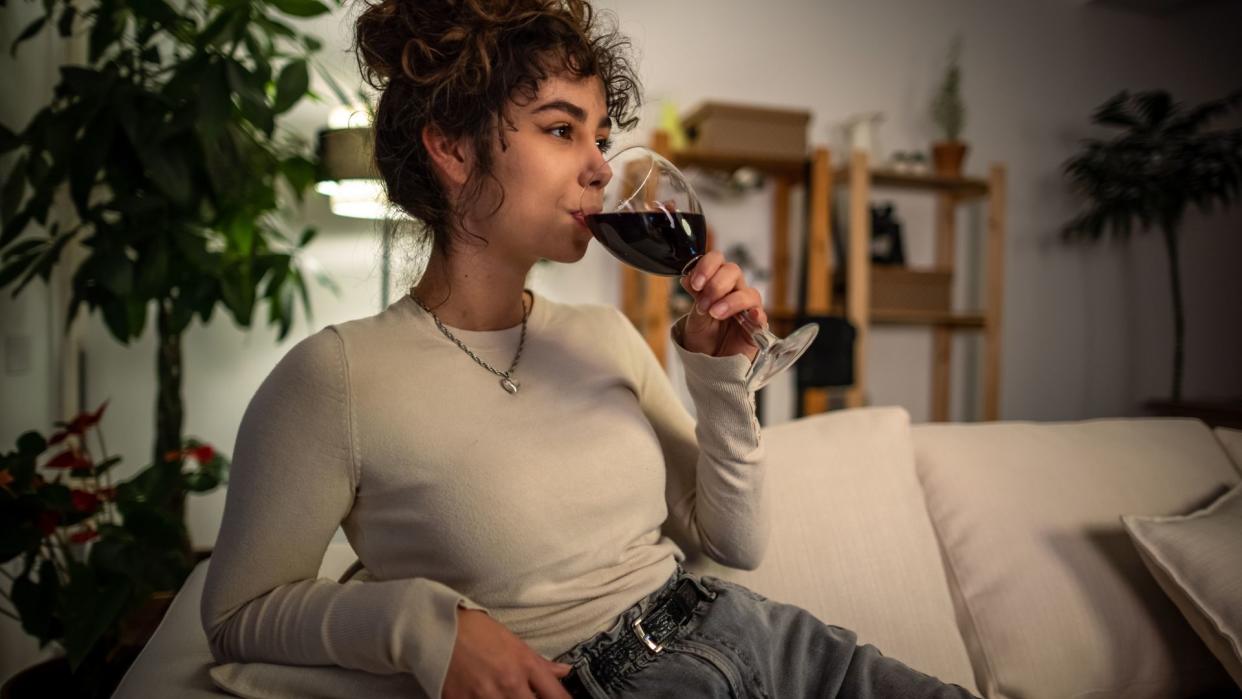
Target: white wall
{"points": [[1087, 332]]}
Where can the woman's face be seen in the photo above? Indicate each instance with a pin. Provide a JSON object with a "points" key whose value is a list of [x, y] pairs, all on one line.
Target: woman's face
{"points": [[554, 149]]}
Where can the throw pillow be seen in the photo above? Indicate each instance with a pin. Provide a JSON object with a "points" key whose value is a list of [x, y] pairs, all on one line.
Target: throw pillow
{"points": [[1197, 560]]}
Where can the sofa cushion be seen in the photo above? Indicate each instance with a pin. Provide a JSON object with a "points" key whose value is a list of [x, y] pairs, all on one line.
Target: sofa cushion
{"points": [[1231, 440], [851, 541], [1197, 560], [1051, 596]]}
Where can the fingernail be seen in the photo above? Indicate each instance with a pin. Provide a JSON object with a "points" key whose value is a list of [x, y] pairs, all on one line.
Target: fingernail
{"points": [[718, 311], [703, 304], [698, 282]]}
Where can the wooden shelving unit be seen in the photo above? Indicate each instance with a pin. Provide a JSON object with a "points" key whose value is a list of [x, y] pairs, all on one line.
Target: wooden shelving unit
{"points": [[949, 193], [645, 297]]}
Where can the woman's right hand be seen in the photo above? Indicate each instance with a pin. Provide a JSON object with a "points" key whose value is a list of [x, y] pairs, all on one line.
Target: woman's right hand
{"points": [[489, 662]]}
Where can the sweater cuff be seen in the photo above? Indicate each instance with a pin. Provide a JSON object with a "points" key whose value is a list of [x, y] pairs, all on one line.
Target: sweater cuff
{"points": [[436, 634], [717, 386]]}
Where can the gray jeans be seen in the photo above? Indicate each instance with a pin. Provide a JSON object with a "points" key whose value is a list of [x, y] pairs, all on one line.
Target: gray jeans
{"points": [[740, 644]]}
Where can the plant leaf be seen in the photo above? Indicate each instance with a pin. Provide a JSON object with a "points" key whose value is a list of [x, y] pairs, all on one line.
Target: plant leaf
{"points": [[65, 24], [301, 8], [30, 30], [8, 140], [14, 190], [291, 86]]}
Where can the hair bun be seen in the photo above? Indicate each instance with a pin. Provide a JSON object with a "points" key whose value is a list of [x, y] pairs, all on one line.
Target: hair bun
{"points": [[434, 41]]}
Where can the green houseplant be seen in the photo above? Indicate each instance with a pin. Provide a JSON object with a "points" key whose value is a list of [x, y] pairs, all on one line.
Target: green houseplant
{"points": [[83, 556], [166, 144], [1161, 162], [948, 112]]}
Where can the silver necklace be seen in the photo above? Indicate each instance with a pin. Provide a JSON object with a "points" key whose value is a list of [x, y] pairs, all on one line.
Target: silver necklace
{"points": [[506, 377]]}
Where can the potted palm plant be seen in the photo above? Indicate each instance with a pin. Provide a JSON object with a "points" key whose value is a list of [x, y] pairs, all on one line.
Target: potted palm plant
{"points": [[166, 144], [164, 147], [949, 115], [1161, 160]]}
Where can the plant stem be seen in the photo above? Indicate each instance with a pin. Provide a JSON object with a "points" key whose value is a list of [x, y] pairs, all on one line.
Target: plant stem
{"points": [[1179, 319], [109, 507], [169, 414]]}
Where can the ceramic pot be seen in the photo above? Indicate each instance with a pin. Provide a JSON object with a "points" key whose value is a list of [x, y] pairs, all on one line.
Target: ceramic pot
{"points": [[948, 157]]}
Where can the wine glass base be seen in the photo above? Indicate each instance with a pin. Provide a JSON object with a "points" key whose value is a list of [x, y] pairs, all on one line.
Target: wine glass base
{"points": [[780, 356]]}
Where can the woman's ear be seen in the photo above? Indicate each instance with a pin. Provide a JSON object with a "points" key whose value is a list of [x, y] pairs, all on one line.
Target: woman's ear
{"points": [[452, 157]]}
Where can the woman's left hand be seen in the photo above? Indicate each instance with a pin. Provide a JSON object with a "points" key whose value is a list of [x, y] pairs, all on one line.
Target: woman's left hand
{"points": [[720, 292]]}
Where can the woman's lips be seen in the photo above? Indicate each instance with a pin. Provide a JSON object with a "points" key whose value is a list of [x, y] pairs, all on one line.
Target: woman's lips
{"points": [[580, 219]]}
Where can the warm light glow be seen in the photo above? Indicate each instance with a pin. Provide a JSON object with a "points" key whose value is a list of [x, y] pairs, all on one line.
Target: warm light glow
{"points": [[355, 198], [349, 117]]}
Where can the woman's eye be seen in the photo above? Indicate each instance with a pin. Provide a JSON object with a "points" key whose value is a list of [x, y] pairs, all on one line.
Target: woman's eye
{"points": [[604, 145], [559, 131]]}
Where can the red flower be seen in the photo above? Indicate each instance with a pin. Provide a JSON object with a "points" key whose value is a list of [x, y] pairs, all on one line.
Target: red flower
{"points": [[46, 521], [203, 454], [70, 459], [79, 424], [82, 422], [5, 479], [83, 536], [84, 501]]}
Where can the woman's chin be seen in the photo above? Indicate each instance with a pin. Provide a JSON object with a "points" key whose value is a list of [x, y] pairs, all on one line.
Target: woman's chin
{"points": [[572, 253]]}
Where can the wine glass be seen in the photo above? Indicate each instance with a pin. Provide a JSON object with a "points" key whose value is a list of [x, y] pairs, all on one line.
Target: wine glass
{"points": [[648, 216]]}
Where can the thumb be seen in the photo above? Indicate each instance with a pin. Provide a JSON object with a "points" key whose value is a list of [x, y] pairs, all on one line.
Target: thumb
{"points": [[560, 669]]}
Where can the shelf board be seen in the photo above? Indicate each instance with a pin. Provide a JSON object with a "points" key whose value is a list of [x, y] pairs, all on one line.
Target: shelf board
{"points": [[906, 316], [722, 160], [962, 187]]}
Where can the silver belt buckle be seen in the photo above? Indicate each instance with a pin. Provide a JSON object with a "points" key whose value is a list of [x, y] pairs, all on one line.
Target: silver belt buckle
{"points": [[645, 637]]}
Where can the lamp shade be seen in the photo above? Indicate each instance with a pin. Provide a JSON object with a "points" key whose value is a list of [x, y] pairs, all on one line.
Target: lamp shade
{"points": [[347, 174], [345, 154]]}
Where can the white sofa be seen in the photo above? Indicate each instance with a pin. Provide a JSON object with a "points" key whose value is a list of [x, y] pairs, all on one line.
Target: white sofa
{"points": [[989, 555]]}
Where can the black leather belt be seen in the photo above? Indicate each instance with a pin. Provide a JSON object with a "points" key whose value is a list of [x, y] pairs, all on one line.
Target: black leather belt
{"points": [[662, 624]]}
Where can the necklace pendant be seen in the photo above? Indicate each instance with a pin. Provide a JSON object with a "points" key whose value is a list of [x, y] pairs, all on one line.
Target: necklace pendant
{"points": [[508, 385]]}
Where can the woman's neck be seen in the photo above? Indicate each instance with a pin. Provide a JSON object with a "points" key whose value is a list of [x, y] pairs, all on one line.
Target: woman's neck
{"points": [[472, 291]]}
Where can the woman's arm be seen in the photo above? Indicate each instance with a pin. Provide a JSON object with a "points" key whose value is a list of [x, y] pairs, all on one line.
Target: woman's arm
{"points": [[294, 475], [714, 487]]}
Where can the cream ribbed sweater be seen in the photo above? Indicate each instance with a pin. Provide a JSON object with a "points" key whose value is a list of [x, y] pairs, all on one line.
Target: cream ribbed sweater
{"points": [[551, 509]]}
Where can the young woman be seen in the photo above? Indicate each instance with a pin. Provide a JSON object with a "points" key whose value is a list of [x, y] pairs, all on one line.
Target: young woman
{"points": [[516, 475]]}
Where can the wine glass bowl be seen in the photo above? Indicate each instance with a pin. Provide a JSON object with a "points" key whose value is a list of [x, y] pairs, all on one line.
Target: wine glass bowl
{"points": [[648, 215], [644, 212]]}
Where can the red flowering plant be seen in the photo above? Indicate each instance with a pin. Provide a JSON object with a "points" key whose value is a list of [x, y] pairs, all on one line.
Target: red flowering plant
{"points": [[79, 553]]}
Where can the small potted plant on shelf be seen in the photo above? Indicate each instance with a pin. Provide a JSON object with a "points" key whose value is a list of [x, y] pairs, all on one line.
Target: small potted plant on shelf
{"points": [[949, 115], [89, 564]]}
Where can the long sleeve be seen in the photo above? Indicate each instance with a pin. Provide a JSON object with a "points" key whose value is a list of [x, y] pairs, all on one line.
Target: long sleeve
{"points": [[715, 466], [294, 477]]}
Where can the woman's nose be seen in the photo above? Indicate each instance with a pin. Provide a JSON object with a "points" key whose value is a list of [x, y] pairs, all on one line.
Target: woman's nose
{"points": [[597, 175]]}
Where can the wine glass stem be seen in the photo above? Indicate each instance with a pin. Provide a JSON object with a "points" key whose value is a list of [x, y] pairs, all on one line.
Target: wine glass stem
{"points": [[761, 336]]}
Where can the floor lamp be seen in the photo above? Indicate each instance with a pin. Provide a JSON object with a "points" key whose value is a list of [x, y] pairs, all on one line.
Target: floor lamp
{"points": [[347, 177]]}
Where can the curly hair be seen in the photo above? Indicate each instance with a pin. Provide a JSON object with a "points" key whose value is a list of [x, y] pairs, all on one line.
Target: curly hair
{"points": [[458, 65]]}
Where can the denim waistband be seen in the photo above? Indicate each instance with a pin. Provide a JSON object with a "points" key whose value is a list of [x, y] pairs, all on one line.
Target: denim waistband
{"points": [[596, 663]]}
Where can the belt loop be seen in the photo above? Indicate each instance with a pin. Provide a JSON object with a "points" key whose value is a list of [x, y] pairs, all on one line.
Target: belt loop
{"points": [[707, 592]]}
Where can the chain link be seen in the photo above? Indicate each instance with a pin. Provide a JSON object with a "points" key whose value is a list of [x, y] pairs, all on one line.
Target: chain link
{"points": [[521, 339]]}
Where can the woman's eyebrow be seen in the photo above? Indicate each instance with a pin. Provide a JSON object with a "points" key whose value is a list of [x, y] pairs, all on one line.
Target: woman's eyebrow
{"points": [[573, 110]]}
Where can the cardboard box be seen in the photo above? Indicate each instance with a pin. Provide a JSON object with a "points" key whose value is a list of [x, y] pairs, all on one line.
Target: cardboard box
{"points": [[905, 289], [747, 130]]}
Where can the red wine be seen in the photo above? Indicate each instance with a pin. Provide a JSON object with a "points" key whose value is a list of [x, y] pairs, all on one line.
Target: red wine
{"points": [[655, 242]]}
